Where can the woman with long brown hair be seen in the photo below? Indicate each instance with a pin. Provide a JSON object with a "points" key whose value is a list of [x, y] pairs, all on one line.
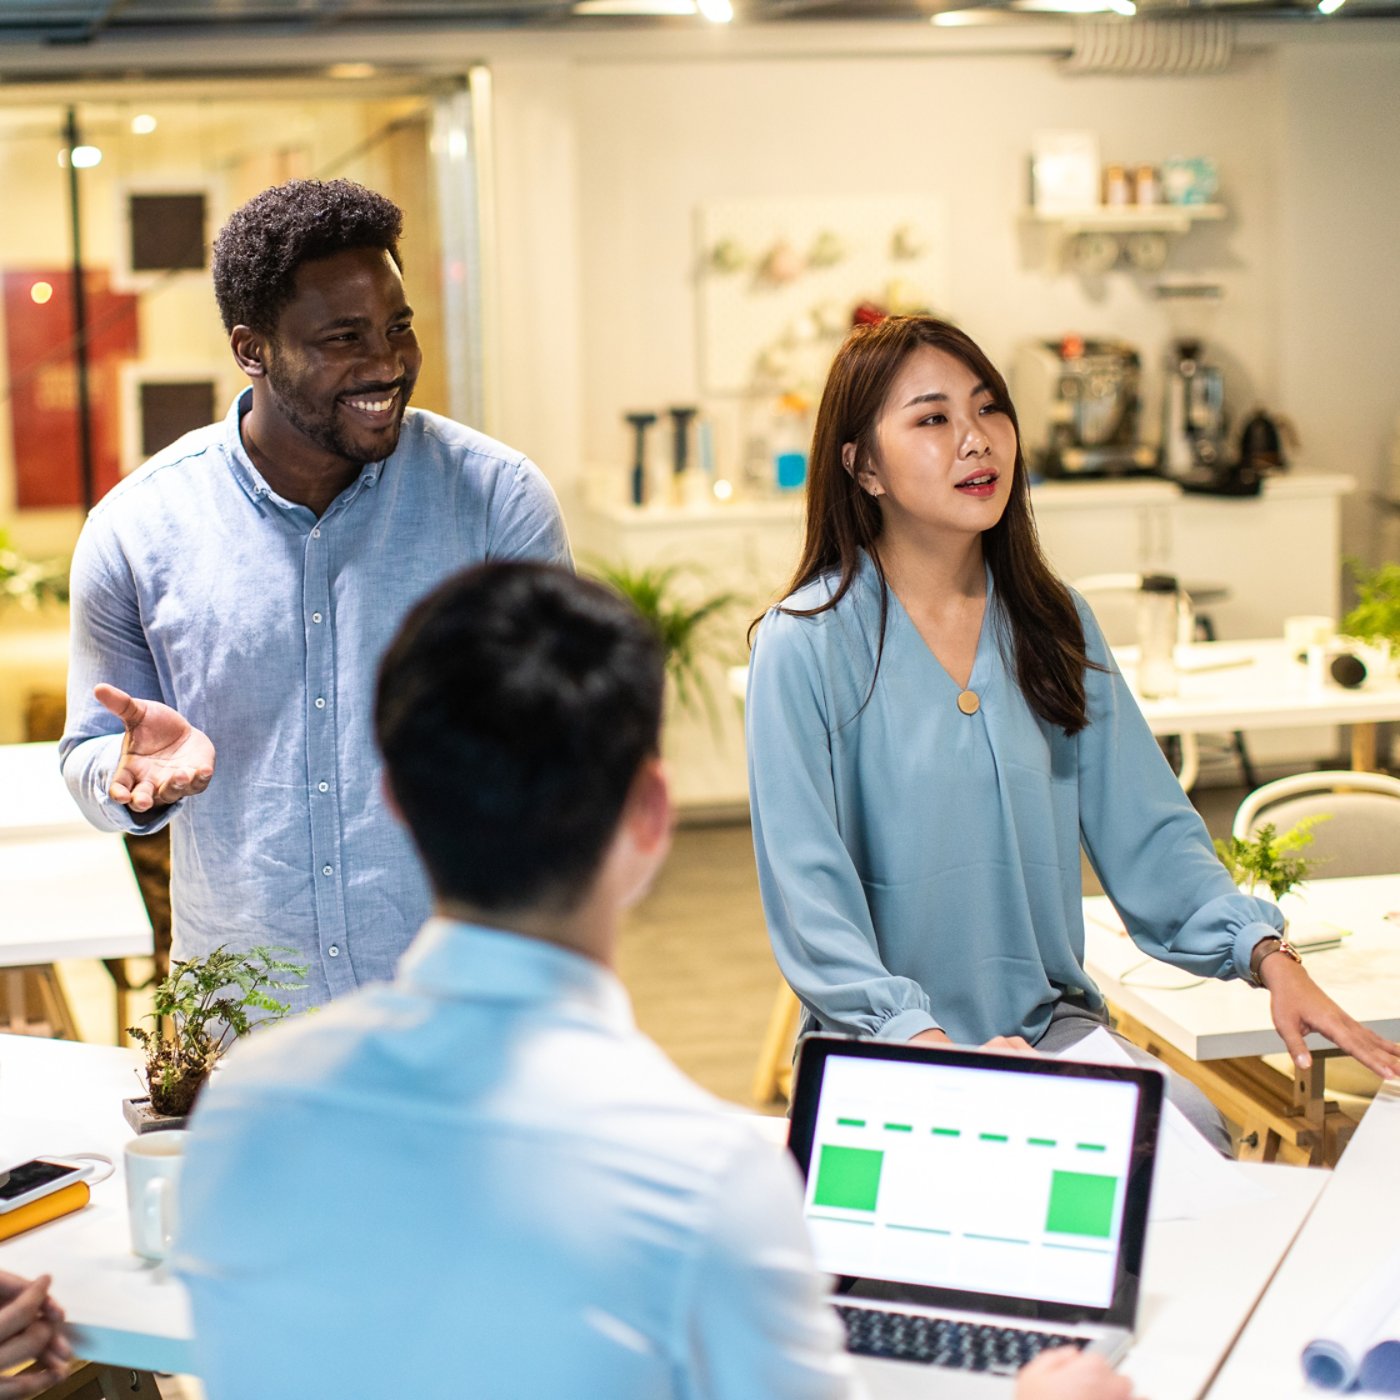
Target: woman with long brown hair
{"points": [[935, 725]]}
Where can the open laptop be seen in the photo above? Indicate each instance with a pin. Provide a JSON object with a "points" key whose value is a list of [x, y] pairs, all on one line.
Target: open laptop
{"points": [[986, 1205]]}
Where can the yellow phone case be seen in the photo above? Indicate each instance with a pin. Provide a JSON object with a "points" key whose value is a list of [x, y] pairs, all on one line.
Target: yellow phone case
{"points": [[46, 1208]]}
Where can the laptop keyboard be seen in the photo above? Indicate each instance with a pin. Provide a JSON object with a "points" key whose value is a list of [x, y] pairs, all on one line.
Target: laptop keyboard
{"points": [[937, 1341]]}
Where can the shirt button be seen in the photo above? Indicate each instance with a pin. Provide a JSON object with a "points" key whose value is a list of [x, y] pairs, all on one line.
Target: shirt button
{"points": [[320, 702], [333, 951], [323, 787], [326, 870], [315, 617], [316, 533]]}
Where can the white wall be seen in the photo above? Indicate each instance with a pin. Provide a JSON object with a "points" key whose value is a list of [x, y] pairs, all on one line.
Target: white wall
{"points": [[655, 139], [1339, 243]]}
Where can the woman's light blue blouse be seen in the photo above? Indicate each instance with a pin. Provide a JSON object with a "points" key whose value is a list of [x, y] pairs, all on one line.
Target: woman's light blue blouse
{"points": [[920, 867]]}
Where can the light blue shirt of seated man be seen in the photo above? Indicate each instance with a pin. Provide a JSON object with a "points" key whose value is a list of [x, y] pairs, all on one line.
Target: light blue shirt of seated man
{"points": [[481, 1180]]}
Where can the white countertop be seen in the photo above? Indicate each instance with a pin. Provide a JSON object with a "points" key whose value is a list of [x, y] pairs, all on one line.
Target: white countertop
{"points": [[1046, 495]]}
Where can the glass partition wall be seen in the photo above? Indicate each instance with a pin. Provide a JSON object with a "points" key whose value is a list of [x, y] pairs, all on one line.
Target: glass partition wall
{"points": [[110, 342]]}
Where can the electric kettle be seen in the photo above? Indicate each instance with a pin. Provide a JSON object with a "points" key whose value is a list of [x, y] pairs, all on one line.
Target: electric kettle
{"points": [[1261, 443]]}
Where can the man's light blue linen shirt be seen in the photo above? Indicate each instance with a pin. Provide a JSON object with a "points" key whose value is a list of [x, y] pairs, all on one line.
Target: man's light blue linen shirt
{"points": [[196, 585], [919, 867], [481, 1180]]}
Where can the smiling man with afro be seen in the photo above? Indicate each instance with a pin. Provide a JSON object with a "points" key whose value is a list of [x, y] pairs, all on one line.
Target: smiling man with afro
{"points": [[232, 597]]}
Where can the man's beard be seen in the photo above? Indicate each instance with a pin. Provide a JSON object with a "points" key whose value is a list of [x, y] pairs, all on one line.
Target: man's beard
{"points": [[322, 426]]}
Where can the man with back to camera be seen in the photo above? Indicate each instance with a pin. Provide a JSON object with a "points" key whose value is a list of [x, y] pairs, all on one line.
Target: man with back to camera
{"points": [[234, 595], [480, 1178]]}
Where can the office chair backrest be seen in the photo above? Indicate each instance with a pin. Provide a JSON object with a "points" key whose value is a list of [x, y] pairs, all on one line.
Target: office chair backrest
{"points": [[1362, 833]]}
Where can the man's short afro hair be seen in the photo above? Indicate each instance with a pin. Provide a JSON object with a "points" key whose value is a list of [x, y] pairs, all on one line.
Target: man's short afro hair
{"points": [[258, 252]]}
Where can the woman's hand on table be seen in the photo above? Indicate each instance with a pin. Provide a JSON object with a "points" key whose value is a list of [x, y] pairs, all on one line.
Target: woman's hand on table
{"points": [[164, 757], [1299, 1005], [30, 1331], [1068, 1374], [997, 1042]]}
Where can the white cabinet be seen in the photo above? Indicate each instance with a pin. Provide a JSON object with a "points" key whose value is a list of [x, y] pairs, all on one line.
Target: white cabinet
{"points": [[1277, 554]]}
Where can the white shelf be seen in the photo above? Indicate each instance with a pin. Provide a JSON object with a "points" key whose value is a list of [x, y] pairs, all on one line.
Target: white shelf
{"points": [[1129, 218]]}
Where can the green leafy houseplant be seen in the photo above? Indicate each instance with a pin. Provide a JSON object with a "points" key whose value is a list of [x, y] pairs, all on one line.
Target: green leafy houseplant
{"points": [[207, 1003], [30, 582], [1376, 616], [1267, 858], [684, 626]]}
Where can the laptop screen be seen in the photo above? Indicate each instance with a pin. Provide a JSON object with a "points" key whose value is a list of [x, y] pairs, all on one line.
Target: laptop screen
{"points": [[979, 1177]]}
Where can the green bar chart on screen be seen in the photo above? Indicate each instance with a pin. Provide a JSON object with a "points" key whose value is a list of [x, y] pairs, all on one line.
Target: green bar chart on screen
{"points": [[848, 1178], [1081, 1203]]}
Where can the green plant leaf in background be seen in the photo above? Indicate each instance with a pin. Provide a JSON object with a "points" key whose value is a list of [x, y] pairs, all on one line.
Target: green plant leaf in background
{"points": [[30, 582], [684, 623], [1269, 859], [1376, 616]]}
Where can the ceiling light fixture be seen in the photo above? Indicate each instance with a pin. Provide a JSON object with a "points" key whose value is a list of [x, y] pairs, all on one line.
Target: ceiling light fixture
{"points": [[1126, 8], [716, 11], [1063, 7], [634, 7], [143, 124], [1329, 7], [83, 157]]}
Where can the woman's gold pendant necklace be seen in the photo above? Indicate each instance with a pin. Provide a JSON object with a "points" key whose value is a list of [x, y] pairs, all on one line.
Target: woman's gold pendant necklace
{"points": [[969, 702]]}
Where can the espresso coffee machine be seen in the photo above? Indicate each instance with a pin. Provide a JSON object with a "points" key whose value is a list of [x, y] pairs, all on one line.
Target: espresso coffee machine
{"points": [[1078, 402], [1193, 414]]}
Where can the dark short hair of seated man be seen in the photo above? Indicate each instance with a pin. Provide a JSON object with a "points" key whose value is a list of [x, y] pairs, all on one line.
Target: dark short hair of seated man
{"points": [[514, 709]]}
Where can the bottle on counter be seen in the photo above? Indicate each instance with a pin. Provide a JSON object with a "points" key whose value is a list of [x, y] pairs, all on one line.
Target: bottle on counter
{"points": [[1158, 611], [1115, 185], [789, 443]]}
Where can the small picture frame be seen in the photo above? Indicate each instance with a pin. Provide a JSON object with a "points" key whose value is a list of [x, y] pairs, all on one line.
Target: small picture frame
{"points": [[165, 231]]}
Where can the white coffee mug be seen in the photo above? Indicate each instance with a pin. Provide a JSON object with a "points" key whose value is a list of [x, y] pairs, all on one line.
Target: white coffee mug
{"points": [[1300, 633], [153, 1163]]}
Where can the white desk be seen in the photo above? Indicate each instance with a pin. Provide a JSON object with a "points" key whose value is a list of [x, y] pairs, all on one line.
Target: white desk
{"points": [[1229, 1020], [38, 801], [1354, 1228], [1201, 1276], [69, 890], [60, 1097], [1270, 690]]}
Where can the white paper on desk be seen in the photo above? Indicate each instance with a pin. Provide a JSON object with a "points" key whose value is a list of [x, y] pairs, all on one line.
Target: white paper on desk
{"points": [[1361, 1339], [1192, 1180]]}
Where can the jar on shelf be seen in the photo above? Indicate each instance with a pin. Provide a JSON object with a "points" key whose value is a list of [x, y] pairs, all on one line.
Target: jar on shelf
{"points": [[1116, 189], [1147, 188]]}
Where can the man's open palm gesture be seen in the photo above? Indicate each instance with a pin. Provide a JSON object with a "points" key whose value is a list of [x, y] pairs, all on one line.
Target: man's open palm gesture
{"points": [[164, 757]]}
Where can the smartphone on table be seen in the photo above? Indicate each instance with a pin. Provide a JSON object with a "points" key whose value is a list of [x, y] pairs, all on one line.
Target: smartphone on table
{"points": [[32, 1180]]}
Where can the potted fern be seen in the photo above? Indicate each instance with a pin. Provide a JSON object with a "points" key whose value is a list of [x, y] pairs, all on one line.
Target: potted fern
{"points": [[1268, 859], [682, 622], [201, 1007], [1376, 617]]}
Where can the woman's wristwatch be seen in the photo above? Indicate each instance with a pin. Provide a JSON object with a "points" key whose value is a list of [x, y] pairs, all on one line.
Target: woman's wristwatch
{"points": [[1262, 949]]}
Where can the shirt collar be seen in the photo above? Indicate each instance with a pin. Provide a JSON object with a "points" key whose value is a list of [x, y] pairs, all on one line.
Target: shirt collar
{"points": [[470, 962], [251, 479]]}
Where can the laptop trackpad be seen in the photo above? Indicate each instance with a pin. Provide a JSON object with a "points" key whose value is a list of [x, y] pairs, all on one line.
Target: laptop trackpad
{"points": [[906, 1380]]}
